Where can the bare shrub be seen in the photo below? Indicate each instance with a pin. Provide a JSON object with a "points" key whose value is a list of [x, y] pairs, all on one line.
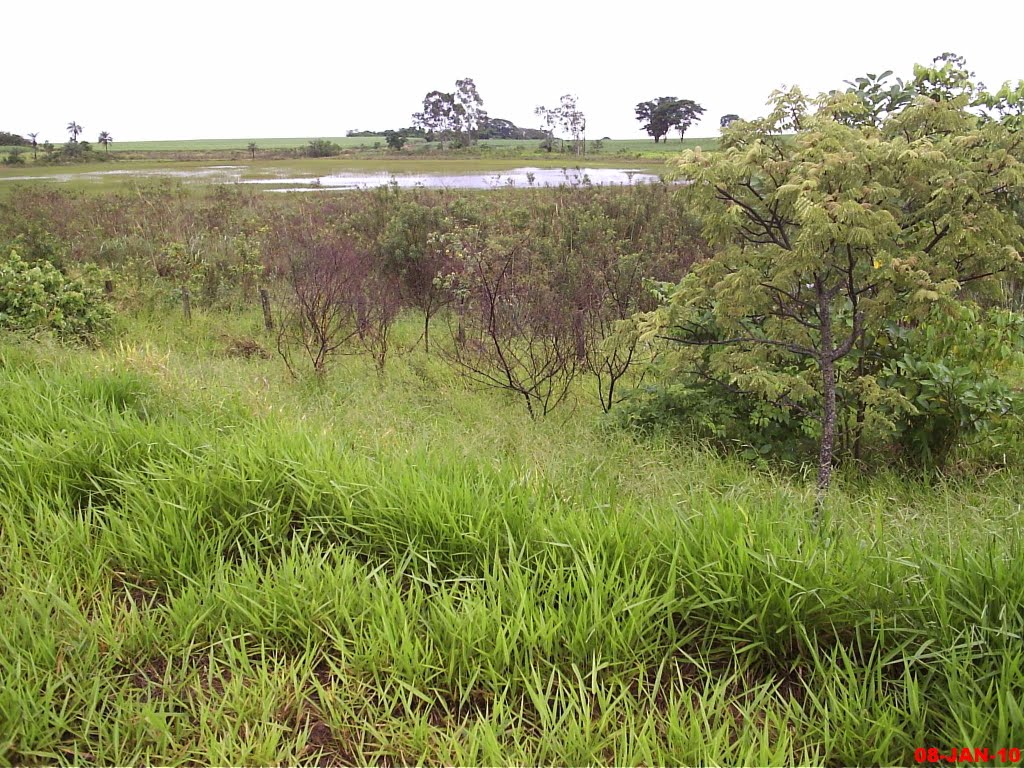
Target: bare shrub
{"points": [[336, 303], [513, 331]]}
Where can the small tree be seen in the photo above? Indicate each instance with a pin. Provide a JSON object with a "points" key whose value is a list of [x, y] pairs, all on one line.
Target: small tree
{"points": [[339, 303], [35, 145], [395, 139], [726, 120], [105, 139], [830, 237], [75, 130], [252, 149]]}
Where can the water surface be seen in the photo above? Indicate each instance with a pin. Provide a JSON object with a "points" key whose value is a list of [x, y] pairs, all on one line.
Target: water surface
{"points": [[236, 174]]}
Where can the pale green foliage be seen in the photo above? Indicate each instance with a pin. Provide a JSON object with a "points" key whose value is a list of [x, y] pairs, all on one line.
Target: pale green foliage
{"points": [[36, 296], [829, 237]]}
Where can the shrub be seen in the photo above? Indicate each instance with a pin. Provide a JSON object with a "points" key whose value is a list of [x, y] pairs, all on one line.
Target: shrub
{"points": [[38, 296], [322, 148], [953, 373], [15, 158]]}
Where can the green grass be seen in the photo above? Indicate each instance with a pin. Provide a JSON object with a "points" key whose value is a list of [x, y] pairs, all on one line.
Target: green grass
{"points": [[185, 145], [208, 562]]}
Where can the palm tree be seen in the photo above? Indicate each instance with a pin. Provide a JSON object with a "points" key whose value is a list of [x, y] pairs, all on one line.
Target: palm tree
{"points": [[74, 129], [35, 144], [105, 139], [252, 149]]}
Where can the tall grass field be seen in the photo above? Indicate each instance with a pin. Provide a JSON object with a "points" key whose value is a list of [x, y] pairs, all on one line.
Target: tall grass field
{"points": [[208, 563]]}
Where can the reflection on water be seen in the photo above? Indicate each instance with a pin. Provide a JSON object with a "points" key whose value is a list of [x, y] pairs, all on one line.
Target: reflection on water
{"points": [[517, 177]]}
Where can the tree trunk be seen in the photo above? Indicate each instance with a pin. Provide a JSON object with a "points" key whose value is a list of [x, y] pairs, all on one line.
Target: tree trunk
{"points": [[826, 448], [826, 360]]}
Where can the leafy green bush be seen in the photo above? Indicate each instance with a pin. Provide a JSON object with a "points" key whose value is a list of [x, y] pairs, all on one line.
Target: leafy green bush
{"points": [[35, 296], [323, 148], [15, 158], [953, 374]]}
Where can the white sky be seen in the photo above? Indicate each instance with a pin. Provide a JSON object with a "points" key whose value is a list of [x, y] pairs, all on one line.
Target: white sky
{"points": [[187, 69]]}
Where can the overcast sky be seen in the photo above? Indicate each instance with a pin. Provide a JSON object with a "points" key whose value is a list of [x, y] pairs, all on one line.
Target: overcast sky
{"points": [[186, 69]]}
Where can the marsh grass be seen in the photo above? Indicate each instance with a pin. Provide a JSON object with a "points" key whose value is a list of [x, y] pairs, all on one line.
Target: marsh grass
{"points": [[207, 562]]}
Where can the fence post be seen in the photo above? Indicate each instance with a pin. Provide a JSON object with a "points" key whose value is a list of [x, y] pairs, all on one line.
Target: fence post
{"points": [[268, 318], [186, 304]]}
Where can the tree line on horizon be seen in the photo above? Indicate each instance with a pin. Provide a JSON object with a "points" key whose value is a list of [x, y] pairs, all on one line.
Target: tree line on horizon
{"points": [[73, 149]]}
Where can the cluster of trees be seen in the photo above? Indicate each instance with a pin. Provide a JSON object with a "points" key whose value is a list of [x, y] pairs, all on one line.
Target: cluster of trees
{"points": [[459, 118], [72, 150]]}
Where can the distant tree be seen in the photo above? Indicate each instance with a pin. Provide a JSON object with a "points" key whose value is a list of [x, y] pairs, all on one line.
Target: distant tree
{"points": [[689, 113], [74, 129], [35, 144], [395, 139], [667, 112], [726, 120], [567, 116], [499, 128], [12, 140], [549, 119], [446, 115], [660, 115], [474, 116], [252, 149], [105, 139], [441, 115], [572, 119]]}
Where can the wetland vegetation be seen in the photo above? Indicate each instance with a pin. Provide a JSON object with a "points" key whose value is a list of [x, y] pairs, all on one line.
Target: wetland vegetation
{"points": [[722, 472]]}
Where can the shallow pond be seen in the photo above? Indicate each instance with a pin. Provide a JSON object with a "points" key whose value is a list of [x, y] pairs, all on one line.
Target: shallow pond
{"points": [[235, 174], [516, 177]]}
